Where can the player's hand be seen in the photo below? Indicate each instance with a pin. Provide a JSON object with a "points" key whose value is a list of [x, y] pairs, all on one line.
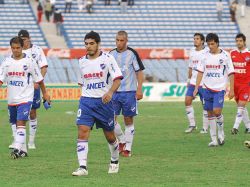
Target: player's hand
{"points": [[139, 94], [195, 92], [231, 94], [107, 97], [36, 85], [46, 101]]}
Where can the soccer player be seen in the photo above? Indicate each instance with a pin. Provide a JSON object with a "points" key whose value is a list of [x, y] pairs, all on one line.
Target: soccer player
{"points": [[19, 71], [37, 54], [241, 61], [100, 78], [129, 92], [196, 55], [215, 68]]}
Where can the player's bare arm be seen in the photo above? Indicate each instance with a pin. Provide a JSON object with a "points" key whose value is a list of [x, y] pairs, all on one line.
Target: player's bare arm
{"points": [[108, 96], [198, 81], [44, 92], [231, 91], [139, 76]]}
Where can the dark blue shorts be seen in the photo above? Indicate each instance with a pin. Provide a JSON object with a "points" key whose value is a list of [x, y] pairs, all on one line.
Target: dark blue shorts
{"points": [[19, 112], [125, 102], [190, 91], [213, 99], [37, 99], [93, 111]]}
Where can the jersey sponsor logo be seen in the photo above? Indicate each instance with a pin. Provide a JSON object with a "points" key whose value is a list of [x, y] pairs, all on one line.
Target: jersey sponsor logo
{"points": [[213, 66], [195, 61], [19, 74], [240, 71], [213, 74], [240, 64], [221, 61], [102, 66], [93, 75], [16, 83], [247, 58], [97, 85]]}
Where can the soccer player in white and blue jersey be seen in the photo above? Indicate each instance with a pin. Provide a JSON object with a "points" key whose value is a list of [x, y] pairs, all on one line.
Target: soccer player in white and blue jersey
{"points": [[129, 92], [214, 70], [19, 71], [100, 78], [195, 57], [38, 55]]}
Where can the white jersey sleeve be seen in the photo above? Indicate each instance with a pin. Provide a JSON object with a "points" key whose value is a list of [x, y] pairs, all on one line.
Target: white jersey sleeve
{"points": [[114, 69], [3, 72], [42, 61], [35, 72]]}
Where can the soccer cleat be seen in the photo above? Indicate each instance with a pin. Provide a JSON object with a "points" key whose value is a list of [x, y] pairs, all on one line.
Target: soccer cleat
{"points": [[126, 153], [121, 147], [203, 131], [213, 144], [221, 141], [80, 172], [15, 154], [247, 144], [234, 131], [31, 146], [247, 131], [190, 129], [12, 145], [113, 168]]}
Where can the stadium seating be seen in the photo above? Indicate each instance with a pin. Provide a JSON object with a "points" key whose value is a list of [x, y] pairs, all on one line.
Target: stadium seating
{"points": [[150, 23], [15, 16]]}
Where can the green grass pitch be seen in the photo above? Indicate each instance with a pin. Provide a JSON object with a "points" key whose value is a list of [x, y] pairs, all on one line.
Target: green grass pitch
{"points": [[163, 155]]}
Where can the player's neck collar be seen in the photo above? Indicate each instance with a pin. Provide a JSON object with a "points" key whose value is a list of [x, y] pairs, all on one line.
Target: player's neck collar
{"points": [[24, 55], [97, 57]]}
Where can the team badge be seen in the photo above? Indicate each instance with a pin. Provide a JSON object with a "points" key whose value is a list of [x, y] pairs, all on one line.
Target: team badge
{"points": [[25, 67], [33, 55], [221, 61], [247, 58], [245, 96], [102, 66]]}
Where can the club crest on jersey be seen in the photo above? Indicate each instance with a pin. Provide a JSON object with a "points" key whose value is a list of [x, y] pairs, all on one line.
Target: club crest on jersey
{"points": [[247, 58], [102, 66], [221, 61], [33, 55], [246, 96], [25, 67]]}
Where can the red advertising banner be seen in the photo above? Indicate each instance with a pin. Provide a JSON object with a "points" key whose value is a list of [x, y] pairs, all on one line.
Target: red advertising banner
{"points": [[143, 53]]}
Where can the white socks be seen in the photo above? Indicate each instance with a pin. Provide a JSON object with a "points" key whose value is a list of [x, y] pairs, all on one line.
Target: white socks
{"points": [[114, 150], [190, 115], [32, 130], [119, 133], [239, 117], [245, 118], [13, 127], [129, 136], [212, 125], [20, 137], [205, 120], [82, 152], [220, 125]]}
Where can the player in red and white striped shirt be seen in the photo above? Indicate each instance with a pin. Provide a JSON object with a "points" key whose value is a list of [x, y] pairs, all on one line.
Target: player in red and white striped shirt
{"points": [[241, 61]]}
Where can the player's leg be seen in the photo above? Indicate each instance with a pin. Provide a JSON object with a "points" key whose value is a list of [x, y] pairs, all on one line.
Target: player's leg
{"points": [[33, 118], [217, 110], [23, 112], [114, 151], [12, 110], [204, 115], [189, 109], [84, 122], [239, 116], [246, 120], [118, 130], [129, 110]]}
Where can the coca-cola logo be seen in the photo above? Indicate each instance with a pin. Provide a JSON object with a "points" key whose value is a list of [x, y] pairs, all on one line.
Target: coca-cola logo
{"points": [[60, 53], [162, 53]]}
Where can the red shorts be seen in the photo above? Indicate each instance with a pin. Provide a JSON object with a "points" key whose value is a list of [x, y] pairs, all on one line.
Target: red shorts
{"points": [[241, 92]]}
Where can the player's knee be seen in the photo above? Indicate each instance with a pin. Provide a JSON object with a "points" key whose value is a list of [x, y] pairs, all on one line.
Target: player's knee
{"points": [[32, 114], [217, 113], [188, 101], [83, 132], [128, 120]]}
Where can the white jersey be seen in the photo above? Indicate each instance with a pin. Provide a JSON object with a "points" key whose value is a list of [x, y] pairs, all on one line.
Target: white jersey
{"points": [[37, 54], [18, 74], [97, 75], [194, 60], [216, 69]]}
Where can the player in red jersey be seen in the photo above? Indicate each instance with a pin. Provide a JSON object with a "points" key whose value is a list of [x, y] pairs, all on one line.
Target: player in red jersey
{"points": [[241, 61]]}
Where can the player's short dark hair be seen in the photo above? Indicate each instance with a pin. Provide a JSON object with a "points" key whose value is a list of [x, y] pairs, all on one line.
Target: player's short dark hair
{"points": [[16, 40], [122, 33], [93, 35], [212, 37], [241, 35], [23, 33], [202, 37]]}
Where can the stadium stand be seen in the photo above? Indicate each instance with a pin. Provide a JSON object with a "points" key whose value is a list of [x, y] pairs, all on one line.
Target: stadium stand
{"points": [[150, 23], [15, 16]]}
